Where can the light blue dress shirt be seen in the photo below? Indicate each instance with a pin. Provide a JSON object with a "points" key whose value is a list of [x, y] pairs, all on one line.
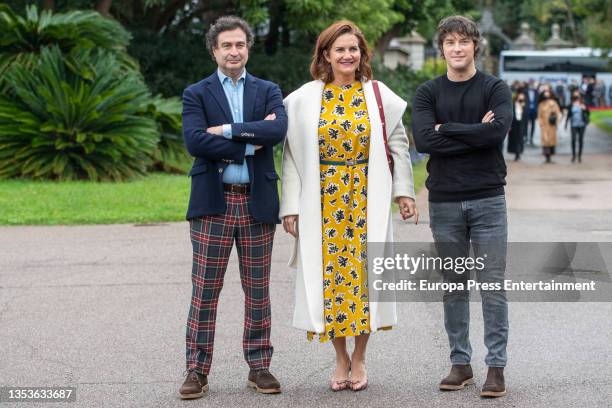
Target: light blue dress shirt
{"points": [[235, 173]]}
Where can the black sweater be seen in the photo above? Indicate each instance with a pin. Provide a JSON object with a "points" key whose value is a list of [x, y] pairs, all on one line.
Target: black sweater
{"points": [[466, 160]]}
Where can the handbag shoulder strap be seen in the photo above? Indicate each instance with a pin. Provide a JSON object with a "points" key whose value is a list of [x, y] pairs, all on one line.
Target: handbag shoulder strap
{"points": [[381, 112]]}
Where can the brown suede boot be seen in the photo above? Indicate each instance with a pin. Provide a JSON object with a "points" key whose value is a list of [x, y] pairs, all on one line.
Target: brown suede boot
{"points": [[195, 385], [263, 382], [495, 385], [459, 377]]}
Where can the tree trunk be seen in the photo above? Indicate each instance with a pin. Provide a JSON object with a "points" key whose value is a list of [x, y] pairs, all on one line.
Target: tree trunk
{"points": [[103, 7], [383, 42], [48, 4], [572, 22], [285, 38], [275, 13]]}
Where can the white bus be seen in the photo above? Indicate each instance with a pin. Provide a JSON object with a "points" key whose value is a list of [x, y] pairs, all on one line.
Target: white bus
{"points": [[554, 66]]}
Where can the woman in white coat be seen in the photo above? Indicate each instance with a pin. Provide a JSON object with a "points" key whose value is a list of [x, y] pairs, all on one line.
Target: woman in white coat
{"points": [[337, 189]]}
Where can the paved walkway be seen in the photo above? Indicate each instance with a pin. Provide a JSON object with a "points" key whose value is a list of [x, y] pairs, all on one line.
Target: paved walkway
{"points": [[103, 309]]}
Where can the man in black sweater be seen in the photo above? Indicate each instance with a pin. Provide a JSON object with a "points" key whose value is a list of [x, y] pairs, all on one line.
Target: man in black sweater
{"points": [[461, 119]]}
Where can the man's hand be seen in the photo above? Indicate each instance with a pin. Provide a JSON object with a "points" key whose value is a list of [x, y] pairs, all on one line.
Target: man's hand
{"points": [[218, 130], [271, 116], [290, 224], [488, 117], [215, 130], [408, 209]]}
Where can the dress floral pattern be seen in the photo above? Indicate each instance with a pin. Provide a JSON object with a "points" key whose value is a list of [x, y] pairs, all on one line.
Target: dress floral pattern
{"points": [[344, 140]]}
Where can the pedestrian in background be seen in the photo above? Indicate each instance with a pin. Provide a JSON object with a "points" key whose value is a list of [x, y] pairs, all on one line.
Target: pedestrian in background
{"points": [[578, 118], [599, 93], [559, 92], [532, 112], [549, 115], [518, 127], [589, 91]]}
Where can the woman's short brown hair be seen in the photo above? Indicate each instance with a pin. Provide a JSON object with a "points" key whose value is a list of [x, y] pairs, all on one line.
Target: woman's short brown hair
{"points": [[321, 69]]}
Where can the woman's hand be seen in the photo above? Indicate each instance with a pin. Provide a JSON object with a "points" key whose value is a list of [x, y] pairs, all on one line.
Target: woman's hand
{"points": [[290, 224], [408, 209]]}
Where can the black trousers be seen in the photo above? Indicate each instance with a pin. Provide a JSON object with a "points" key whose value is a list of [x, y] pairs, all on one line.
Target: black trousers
{"points": [[531, 125], [577, 135]]}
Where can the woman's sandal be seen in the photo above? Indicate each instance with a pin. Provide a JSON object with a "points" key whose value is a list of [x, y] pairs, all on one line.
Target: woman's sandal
{"points": [[339, 385], [359, 385]]}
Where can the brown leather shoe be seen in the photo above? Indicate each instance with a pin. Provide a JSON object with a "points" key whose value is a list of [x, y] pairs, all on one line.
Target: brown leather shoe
{"points": [[263, 381], [459, 377], [495, 385], [195, 385]]}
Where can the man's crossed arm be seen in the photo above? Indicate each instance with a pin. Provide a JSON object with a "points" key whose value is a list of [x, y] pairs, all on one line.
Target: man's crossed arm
{"points": [[448, 139], [208, 142]]}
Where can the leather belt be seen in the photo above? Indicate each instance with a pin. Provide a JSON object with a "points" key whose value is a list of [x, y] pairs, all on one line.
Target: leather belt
{"points": [[236, 188], [349, 162]]}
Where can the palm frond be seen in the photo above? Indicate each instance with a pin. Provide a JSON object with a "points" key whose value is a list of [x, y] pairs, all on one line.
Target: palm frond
{"points": [[77, 117], [170, 154], [23, 37]]}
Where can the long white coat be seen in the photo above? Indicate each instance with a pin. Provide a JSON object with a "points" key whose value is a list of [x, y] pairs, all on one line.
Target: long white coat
{"points": [[301, 194]]}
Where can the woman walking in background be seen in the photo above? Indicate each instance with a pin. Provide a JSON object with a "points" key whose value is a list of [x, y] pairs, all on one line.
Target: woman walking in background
{"points": [[337, 189], [519, 126], [578, 116], [549, 115]]}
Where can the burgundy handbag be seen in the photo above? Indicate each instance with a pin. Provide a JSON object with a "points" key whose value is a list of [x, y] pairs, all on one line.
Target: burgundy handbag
{"points": [[381, 112]]}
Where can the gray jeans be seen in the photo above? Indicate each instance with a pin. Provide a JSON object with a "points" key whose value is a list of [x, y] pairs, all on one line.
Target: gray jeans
{"points": [[482, 223]]}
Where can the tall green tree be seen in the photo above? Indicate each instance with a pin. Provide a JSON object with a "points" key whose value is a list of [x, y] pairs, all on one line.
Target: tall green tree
{"points": [[599, 31], [577, 18]]}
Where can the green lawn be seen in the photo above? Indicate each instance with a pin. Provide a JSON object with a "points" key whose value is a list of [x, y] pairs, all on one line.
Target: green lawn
{"points": [[419, 173], [156, 198], [603, 119]]}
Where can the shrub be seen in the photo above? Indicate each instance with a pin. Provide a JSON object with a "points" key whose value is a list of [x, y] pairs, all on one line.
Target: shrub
{"points": [[170, 154], [75, 117], [23, 37]]}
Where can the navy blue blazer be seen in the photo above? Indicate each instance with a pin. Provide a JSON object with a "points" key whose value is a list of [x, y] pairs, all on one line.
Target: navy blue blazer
{"points": [[205, 105]]}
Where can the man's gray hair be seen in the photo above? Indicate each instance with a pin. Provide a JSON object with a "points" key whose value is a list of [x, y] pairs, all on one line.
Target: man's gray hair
{"points": [[227, 23]]}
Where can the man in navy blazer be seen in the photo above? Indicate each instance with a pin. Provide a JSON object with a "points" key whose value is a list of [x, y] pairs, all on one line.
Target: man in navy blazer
{"points": [[231, 122]]}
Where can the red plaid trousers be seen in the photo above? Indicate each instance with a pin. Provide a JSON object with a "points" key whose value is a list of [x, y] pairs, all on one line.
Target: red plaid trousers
{"points": [[212, 238]]}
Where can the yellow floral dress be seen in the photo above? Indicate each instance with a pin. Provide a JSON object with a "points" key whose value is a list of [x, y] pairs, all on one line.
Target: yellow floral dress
{"points": [[344, 141]]}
